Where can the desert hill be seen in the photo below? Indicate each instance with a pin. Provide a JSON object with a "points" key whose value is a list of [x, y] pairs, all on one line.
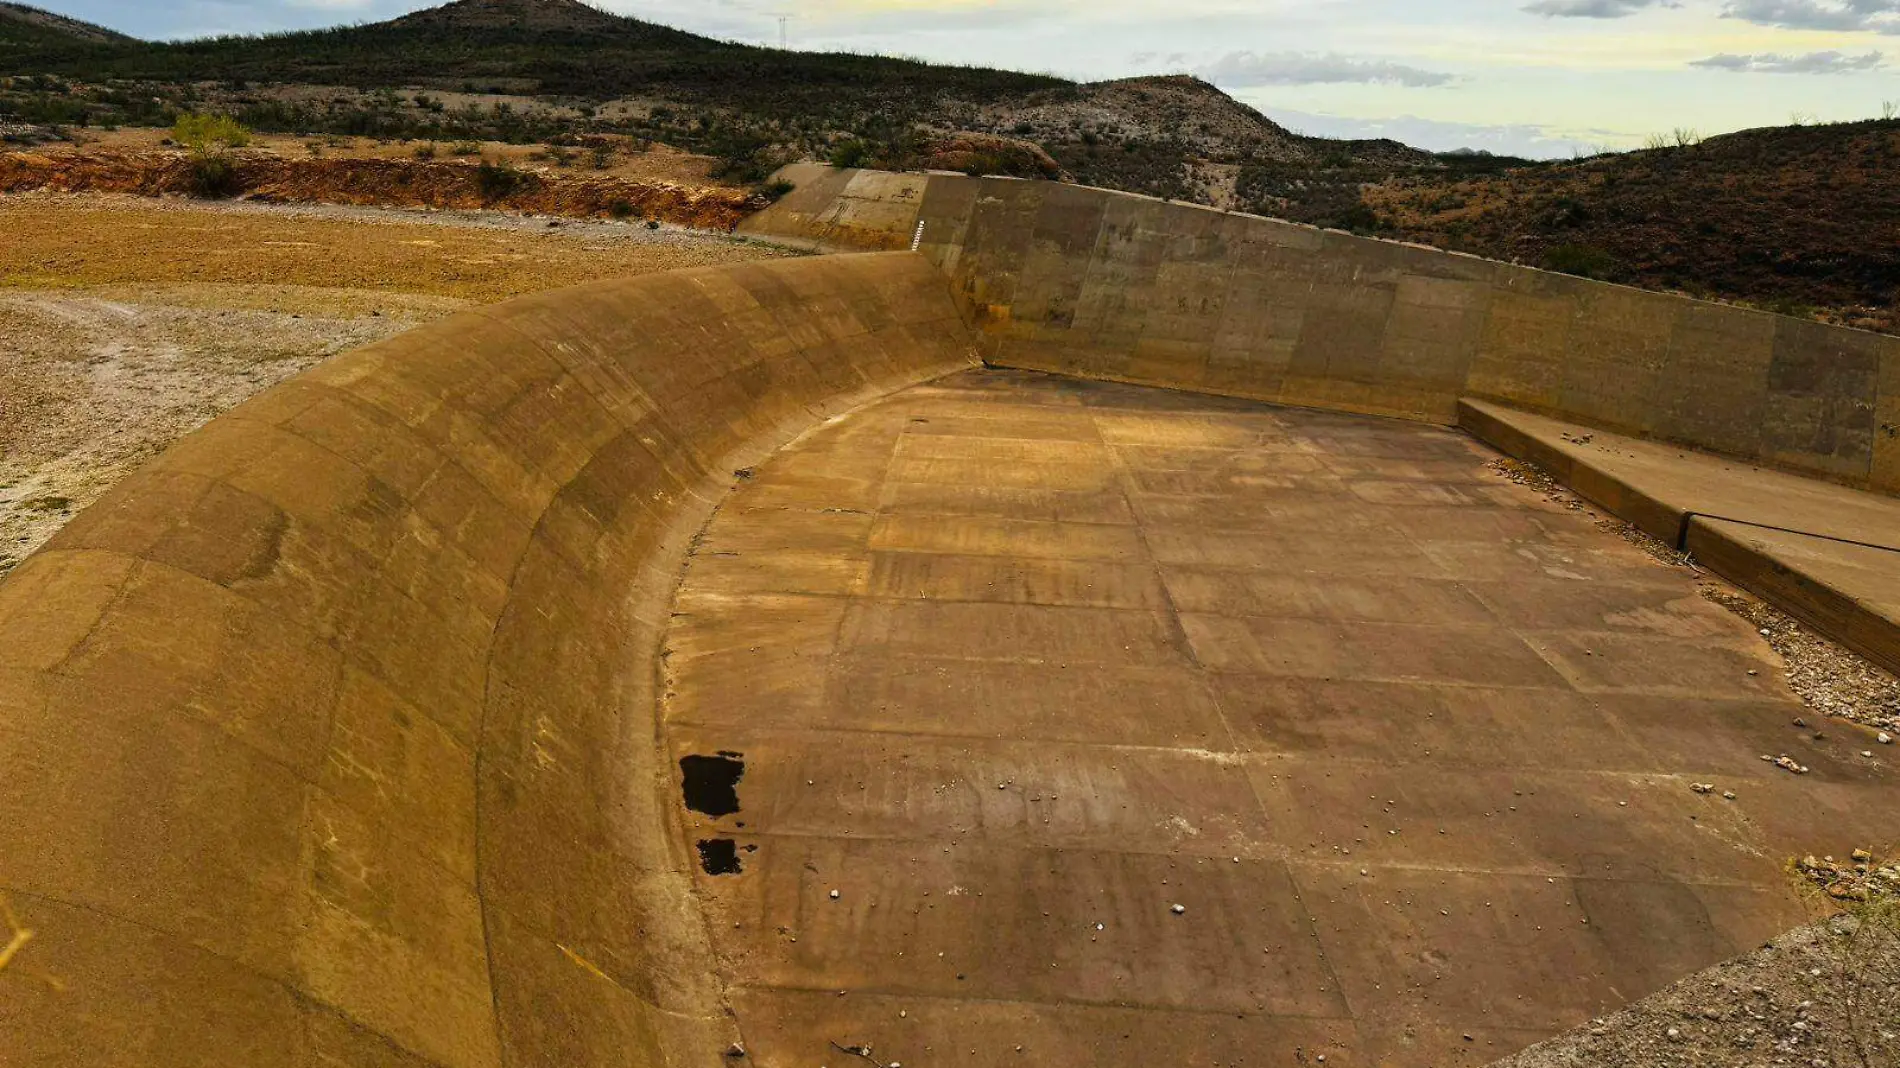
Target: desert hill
{"points": [[1803, 220], [26, 29], [588, 69]]}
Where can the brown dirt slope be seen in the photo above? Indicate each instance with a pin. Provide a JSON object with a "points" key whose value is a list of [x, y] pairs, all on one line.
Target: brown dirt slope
{"points": [[389, 183], [1800, 219]]}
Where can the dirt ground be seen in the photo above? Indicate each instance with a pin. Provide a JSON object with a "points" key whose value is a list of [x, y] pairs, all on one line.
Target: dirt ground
{"points": [[125, 323]]}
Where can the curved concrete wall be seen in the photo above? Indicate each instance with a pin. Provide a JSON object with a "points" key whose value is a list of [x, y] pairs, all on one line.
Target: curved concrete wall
{"points": [[327, 738], [1109, 285]]}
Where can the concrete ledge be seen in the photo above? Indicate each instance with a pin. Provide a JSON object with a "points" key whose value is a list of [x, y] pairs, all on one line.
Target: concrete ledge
{"points": [[1851, 593], [1826, 554]]}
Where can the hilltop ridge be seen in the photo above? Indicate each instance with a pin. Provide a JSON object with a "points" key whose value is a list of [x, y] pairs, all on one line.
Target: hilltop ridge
{"points": [[24, 27], [538, 16]]}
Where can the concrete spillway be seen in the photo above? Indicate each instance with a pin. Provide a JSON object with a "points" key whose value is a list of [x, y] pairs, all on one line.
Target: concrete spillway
{"points": [[520, 691]]}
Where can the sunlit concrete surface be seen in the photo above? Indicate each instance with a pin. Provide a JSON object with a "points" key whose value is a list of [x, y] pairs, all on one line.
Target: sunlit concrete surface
{"points": [[1088, 724]]}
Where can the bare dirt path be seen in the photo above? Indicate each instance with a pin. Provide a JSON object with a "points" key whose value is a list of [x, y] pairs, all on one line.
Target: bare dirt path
{"points": [[125, 323]]}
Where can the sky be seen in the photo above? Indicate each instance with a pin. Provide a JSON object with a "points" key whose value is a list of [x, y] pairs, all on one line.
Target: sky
{"points": [[1545, 78]]}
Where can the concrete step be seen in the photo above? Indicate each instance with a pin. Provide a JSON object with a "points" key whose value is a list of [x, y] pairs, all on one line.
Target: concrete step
{"points": [[1826, 554]]}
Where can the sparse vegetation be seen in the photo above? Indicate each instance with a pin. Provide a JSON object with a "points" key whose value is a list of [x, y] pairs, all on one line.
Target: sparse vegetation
{"points": [[209, 141], [851, 152], [1585, 261], [498, 180]]}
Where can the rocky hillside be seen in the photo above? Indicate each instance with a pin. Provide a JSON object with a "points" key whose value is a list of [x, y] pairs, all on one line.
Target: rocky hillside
{"points": [[26, 29], [546, 69], [1803, 220]]}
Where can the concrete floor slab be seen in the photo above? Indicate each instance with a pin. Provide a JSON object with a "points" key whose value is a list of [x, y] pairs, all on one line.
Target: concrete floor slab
{"points": [[1017, 665]]}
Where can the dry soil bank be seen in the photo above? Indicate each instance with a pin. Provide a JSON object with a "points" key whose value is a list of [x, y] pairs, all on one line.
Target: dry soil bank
{"points": [[127, 322]]}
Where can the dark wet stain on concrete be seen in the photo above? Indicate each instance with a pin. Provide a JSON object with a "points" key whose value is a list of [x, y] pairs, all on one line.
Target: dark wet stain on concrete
{"points": [[712, 783], [719, 856]]}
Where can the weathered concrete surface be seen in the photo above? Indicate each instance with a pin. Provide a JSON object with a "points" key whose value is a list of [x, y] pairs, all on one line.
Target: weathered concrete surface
{"points": [[1014, 664], [1108, 285], [832, 210], [1825, 553], [329, 738]]}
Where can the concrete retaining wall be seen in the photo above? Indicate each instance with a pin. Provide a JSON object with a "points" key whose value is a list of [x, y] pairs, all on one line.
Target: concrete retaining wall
{"points": [[328, 738], [1109, 285]]}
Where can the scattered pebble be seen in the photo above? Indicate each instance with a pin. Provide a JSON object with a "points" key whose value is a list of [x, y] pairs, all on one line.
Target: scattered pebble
{"points": [[1790, 764]]}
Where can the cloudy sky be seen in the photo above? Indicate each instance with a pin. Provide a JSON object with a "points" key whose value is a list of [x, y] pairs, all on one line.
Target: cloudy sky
{"points": [[1538, 77]]}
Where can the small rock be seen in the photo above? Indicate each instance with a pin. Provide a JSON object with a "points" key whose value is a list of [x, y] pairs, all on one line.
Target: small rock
{"points": [[1177, 909], [835, 895], [1884, 738], [1728, 795], [1702, 787], [735, 1051]]}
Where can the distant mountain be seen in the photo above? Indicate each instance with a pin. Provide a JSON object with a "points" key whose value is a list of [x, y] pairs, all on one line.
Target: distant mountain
{"points": [[543, 69], [530, 16]]}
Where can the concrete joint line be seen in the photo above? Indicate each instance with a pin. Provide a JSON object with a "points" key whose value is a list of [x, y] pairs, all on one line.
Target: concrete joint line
{"points": [[1687, 517]]}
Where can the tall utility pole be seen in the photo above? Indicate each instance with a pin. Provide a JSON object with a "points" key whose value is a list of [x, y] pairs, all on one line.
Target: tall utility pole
{"points": [[784, 38]]}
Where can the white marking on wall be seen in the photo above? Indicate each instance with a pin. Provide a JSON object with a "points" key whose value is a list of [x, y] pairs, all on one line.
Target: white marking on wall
{"points": [[917, 242]]}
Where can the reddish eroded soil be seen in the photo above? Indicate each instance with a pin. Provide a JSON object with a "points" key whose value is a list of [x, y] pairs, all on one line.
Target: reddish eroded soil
{"points": [[412, 183]]}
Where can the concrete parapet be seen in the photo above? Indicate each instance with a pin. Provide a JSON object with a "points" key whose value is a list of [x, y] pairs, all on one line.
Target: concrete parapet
{"points": [[328, 737]]}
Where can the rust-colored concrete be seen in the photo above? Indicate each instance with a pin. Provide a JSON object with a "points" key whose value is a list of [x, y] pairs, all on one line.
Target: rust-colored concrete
{"points": [[328, 739], [1826, 553], [1009, 657]]}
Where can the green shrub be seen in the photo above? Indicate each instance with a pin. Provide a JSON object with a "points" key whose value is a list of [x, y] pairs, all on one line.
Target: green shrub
{"points": [[209, 133], [851, 153], [212, 174], [498, 180], [776, 190], [427, 151], [1584, 261], [620, 209], [465, 148], [210, 139]]}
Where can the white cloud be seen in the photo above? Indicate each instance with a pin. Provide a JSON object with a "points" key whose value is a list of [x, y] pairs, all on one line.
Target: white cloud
{"points": [[1529, 141], [1808, 63], [1249, 69], [1595, 9], [1878, 16]]}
